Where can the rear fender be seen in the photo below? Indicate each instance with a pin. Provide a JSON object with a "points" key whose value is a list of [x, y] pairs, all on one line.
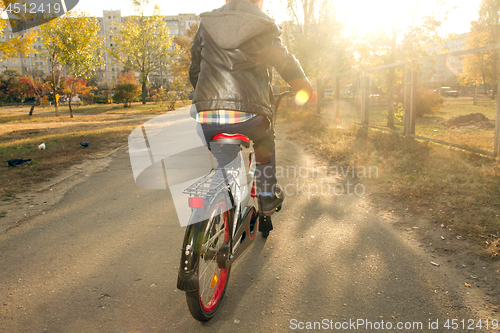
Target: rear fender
{"points": [[187, 279]]}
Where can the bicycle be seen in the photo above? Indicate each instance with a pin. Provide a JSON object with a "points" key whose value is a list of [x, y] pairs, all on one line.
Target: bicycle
{"points": [[229, 222]]}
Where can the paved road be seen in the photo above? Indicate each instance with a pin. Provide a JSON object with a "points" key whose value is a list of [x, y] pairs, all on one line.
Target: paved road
{"points": [[105, 259]]}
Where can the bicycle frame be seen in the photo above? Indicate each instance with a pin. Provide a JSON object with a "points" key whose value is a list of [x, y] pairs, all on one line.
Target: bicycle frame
{"points": [[242, 216]]}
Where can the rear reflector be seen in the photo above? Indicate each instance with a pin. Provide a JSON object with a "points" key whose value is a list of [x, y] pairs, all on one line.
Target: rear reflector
{"points": [[196, 202]]}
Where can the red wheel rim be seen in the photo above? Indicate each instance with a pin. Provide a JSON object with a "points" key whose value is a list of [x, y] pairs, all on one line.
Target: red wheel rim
{"points": [[219, 289], [212, 302]]}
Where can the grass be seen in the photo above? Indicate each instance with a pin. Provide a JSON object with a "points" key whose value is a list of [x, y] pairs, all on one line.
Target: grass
{"points": [[88, 110], [457, 188], [106, 127], [432, 126]]}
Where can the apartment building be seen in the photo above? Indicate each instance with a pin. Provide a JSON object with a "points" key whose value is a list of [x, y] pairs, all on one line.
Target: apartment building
{"points": [[109, 26], [35, 62], [180, 24], [445, 71]]}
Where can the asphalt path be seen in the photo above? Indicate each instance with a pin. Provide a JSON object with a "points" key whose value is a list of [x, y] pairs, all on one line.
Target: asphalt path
{"points": [[105, 259]]}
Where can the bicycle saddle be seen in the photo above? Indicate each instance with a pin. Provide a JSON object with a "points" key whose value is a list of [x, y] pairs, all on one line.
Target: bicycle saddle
{"points": [[235, 139]]}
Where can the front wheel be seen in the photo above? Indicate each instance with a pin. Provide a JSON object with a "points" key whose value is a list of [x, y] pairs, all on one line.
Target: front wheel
{"points": [[212, 280]]}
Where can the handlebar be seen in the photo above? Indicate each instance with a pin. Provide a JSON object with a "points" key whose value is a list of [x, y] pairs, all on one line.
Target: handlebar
{"points": [[279, 97]]}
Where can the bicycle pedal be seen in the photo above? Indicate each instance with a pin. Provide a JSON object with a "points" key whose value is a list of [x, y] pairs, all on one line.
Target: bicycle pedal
{"points": [[265, 225]]}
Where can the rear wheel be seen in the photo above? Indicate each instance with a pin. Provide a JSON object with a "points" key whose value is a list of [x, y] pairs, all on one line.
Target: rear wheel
{"points": [[212, 280]]}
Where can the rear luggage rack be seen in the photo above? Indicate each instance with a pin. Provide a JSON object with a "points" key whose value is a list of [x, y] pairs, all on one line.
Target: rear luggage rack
{"points": [[210, 184]]}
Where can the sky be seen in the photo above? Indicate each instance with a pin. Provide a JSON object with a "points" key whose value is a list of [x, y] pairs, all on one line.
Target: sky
{"points": [[358, 15]]}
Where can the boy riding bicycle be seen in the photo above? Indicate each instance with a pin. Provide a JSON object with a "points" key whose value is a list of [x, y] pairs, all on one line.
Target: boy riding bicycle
{"points": [[232, 57]]}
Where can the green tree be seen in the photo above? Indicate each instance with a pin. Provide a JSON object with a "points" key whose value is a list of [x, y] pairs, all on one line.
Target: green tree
{"points": [[73, 41], [143, 43], [482, 67]]}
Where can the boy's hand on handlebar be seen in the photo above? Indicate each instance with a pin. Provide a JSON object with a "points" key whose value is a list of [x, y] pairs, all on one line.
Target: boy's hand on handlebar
{"points": [[302, 84], [304, 89]]}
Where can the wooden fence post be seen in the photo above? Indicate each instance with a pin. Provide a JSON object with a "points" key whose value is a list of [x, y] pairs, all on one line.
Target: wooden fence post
{"points": [[365, 94], [337, 96], [497, 120], [319, 86], [407, 101], [413, 103]]}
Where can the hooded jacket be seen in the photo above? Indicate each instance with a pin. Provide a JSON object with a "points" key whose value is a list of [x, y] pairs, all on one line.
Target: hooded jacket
{"points": [[231, 56]]}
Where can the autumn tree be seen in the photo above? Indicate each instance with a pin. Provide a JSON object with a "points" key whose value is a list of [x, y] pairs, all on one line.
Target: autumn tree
{"points": [[51, 41], [403, 40], [73, 41], [482, 67], [180, 65], [36, 88], [75, 86], [12, 47], [127, 89], [143, 43], [316, 37], [177, 92], [11, 88]]}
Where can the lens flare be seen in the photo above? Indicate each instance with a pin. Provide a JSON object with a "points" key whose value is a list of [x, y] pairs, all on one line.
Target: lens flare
{"points": [[301, 97]]}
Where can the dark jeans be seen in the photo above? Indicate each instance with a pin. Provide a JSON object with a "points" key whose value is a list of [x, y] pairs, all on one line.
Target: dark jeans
{"points": [[259, 130]]}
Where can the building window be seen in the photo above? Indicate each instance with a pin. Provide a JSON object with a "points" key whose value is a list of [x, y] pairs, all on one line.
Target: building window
{"points": [[182, 32], [181, 24]]}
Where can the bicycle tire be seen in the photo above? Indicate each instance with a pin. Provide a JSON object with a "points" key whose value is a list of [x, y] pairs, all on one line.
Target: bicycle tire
{"points": [[212, 281]]}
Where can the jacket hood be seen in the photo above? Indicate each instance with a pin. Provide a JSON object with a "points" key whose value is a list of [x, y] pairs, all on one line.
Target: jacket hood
{"points": [[235, 23]]}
